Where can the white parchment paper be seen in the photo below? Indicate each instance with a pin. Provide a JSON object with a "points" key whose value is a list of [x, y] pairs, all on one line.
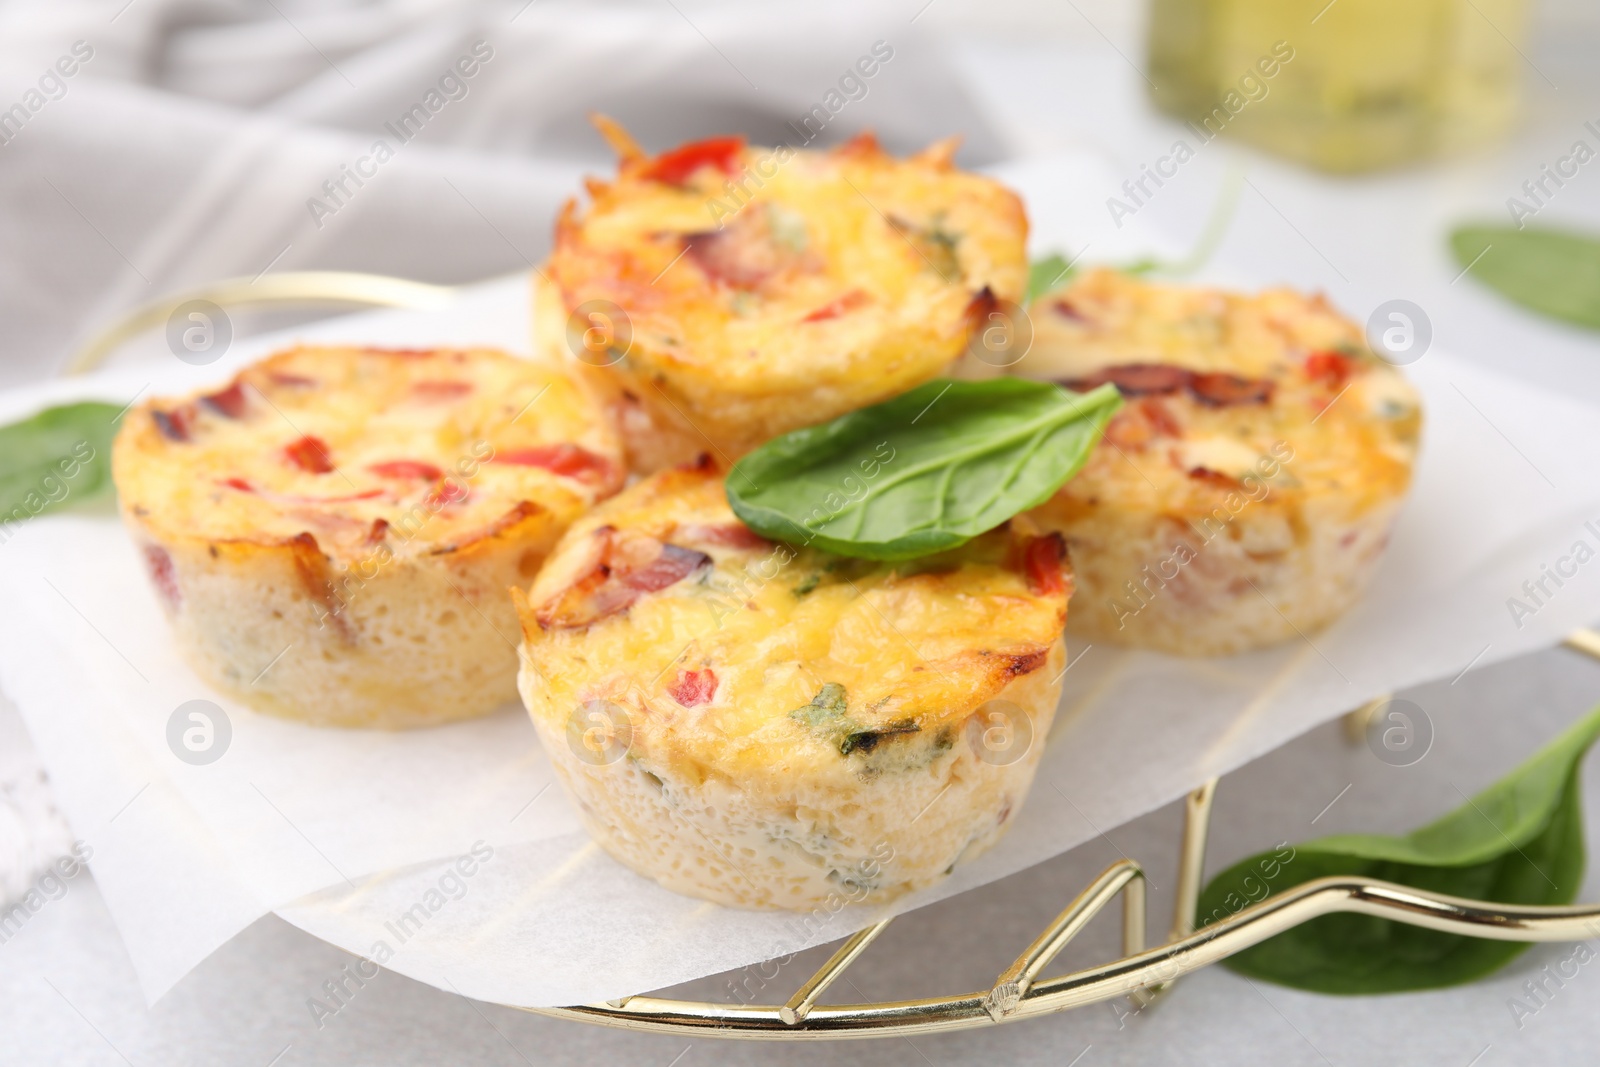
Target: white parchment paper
{"points": [[448, 855]]}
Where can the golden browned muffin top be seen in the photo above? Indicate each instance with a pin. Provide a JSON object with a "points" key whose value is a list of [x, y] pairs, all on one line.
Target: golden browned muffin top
{"points": [[1227, 393], [428, 449], [735, 655], [847, 275]]}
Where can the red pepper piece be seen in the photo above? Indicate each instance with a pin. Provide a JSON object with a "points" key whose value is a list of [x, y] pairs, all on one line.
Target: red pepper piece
{"points": [[694, 688], [567, 460], [229, 402], [309, 454], [834, 308], [678, 165], [1330, 368], [1041, 559], [406, 468]]}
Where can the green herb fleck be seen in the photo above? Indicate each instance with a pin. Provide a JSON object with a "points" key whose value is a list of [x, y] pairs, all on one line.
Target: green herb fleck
{"points": [[788, 227], [934, 244], [867, 740], [942, 251], [826, 711]]}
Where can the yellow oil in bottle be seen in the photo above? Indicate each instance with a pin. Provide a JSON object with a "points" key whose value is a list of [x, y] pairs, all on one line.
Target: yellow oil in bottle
{"points": [[1346, 86]]}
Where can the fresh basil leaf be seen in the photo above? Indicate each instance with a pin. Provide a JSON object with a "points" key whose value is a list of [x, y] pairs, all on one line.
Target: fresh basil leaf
{"points": [[1047, 275], [1520, 841], [1139, 268], [60, 456], [1549, 271], [1053, 272], [923, 472]]}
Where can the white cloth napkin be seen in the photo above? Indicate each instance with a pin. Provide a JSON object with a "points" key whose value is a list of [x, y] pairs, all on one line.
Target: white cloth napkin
{"points": [[186, 147]]}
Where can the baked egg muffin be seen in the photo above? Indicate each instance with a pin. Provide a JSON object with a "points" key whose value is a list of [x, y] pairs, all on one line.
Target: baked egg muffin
{"points": [[1245, 493], [332, 533], [726, 293], [769, 726]]}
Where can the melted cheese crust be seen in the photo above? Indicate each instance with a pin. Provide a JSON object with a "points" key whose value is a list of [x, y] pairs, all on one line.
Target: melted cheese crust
{"points": [[918, 644], [434, 443], [1354, 435], [790, 287], [1295, 494], [1105, 317]]}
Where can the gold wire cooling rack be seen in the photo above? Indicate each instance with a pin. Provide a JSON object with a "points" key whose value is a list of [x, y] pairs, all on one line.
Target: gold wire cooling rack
{"points": [[1142, 974]]}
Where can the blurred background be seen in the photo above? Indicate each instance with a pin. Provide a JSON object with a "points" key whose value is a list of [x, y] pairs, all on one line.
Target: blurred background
{"points": [[195, 140]]}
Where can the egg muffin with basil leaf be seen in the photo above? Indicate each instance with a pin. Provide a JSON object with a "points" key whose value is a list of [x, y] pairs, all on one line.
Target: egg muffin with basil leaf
{"points": [[332, 532], [767, 725], [1244, 494], [726, 293]]}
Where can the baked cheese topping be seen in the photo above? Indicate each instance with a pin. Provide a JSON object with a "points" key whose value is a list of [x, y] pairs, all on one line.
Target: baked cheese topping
{"points": [[1227, 393], [750, 271], [426, 451], [743, 659]]}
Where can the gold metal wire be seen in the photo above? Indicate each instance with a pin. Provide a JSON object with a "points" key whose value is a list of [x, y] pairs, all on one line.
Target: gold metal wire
{"points": [[1136, 973], [292, 287], [1017, 992]]}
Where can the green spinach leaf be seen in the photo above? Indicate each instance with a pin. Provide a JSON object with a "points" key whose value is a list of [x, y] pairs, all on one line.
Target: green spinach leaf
{"points": [[1047, 275], [923, 472], [1549, 271], [61, 455], [1520, 841]]}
